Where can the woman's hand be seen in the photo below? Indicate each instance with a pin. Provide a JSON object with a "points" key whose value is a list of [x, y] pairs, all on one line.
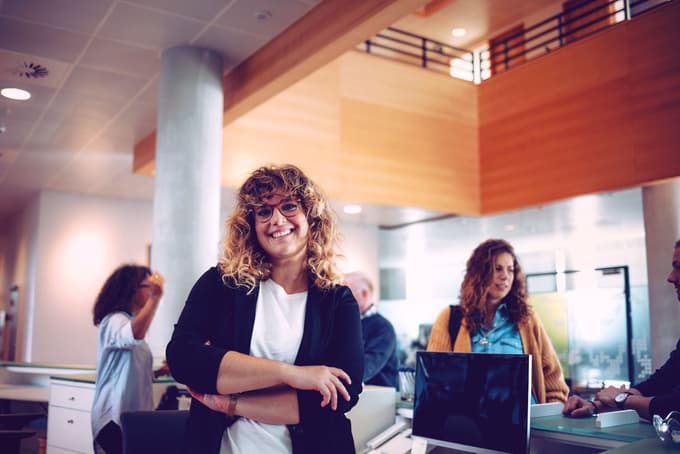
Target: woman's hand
{"points": [[214, 402], [156, 280], [324, 379], [577, 407]]}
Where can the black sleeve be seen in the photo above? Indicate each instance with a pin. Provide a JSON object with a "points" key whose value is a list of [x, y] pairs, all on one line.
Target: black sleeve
{"points": [[191, 361], [379, 344], [344, 351], [664, 385]]}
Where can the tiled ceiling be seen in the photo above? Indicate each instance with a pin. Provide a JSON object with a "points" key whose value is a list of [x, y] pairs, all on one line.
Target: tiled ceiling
{"points": [[99, 98], [78, 130]]}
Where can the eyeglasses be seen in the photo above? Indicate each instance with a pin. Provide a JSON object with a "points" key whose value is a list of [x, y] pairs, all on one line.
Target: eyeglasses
{"points": [[144, 285], [288, 208]]}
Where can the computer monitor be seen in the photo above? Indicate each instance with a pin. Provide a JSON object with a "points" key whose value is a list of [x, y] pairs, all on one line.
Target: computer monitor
{"points": [[473, 401]]}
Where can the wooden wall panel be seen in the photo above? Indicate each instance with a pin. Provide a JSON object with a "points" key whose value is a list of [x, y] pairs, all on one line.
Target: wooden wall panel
{"points": [[600, 114], [368, 130], [298, 126], [408, 136], [388, 83], [400, 158], [654, 102]]}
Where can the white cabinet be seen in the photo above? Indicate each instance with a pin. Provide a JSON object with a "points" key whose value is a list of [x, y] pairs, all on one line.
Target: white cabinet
{"points": [[68, 423], [69, 429]]}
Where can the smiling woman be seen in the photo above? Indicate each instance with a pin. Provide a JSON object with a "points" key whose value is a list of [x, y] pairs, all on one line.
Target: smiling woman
{"points": [[269, 337]]}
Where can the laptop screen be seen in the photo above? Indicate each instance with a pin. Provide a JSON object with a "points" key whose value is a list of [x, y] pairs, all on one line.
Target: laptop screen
{"points": [[478, 401]]}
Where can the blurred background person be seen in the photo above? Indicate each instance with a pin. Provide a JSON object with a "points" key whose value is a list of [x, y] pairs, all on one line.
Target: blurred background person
{"points": [[658, 395], [380, 340], [494, 317], [269, 341], [123, 311]]}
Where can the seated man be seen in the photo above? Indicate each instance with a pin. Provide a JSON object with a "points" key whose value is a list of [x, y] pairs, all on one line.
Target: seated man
{"points": [[658, 395], [380, 341]]}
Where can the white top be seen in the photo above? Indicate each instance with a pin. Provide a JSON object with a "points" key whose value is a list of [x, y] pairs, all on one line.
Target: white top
{"points": [[124, 372], [277, 334]]}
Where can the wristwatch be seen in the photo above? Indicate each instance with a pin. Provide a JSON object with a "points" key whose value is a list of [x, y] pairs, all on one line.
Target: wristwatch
{"points": [[620, 399]]}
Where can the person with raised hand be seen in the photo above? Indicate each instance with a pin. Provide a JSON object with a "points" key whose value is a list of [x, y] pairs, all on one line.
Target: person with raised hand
{"points": [[123, 311]]}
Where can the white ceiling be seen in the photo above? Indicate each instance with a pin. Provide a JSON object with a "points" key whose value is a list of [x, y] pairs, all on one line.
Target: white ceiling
{"points": [[77, 132]]}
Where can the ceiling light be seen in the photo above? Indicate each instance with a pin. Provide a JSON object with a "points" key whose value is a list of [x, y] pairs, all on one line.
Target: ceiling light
{"points": [[263, 15], [352, 209], [458, 32], [15, 93]]}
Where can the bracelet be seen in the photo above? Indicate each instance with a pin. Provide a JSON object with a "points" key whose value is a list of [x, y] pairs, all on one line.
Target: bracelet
{"points": [[231, 407], [592, 402]]}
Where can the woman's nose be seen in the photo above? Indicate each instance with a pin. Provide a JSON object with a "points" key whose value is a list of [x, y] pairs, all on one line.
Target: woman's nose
{"points": [[277, 216]]}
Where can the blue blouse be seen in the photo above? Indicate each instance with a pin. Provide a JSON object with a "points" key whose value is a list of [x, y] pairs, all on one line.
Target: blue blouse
{"points": [[502, 337]]}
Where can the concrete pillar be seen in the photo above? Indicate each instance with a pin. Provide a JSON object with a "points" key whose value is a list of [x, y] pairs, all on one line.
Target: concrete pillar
{"points": [[661, 207], [186, 207]]}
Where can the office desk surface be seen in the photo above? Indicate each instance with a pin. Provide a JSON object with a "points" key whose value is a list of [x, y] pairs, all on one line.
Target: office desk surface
{"points": [[648, 446], [582, 431], [24, 393]]}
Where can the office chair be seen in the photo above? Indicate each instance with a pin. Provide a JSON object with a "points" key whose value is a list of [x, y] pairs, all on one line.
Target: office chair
{"points": [[153, 431]]}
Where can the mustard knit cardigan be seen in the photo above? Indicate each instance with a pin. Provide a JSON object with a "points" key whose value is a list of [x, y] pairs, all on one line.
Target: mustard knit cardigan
{"points": [[547, 381]]}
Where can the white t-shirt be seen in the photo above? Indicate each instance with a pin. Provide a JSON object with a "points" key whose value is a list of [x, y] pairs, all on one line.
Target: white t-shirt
{"points": [[277, 333], [124, 372]]}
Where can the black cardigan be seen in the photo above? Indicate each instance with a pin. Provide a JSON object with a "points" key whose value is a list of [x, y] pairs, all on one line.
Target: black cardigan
{"points": [[224, 316]]}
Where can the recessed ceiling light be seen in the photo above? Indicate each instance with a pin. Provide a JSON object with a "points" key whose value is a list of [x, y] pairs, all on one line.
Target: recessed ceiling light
{"points": [[15, 93], [352, 209], [263, 15], [458, 32]]}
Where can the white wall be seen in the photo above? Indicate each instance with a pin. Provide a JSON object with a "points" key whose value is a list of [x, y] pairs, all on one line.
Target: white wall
{"points": [[20, 260], [359, 245], [81, 240]]}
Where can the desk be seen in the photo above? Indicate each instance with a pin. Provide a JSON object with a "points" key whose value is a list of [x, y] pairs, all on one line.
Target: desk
{"points": [[648, 446], [561, 435], [26, 393], [570, 434]]}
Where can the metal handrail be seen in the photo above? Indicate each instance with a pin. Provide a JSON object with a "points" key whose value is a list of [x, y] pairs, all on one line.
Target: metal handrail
{"points": [[470, 65], [425, 52]]}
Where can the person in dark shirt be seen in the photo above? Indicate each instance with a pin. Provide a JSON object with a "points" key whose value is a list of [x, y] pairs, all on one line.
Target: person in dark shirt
{"points": [[658, 395], [380, 340]]}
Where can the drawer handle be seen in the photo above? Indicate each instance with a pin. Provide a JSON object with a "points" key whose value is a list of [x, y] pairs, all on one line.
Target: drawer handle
{"points": [[71, 398], [69, 421]]}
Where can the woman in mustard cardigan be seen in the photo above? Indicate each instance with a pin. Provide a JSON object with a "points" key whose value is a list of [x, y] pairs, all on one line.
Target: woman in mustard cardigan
{"points": [[494, 317]]}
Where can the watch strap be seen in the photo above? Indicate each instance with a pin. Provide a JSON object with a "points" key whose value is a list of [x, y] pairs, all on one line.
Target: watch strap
{"points": [[621, 401]]}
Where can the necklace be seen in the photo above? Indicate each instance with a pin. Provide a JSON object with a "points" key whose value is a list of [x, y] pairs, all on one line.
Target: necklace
{"points": [[483, 340]]}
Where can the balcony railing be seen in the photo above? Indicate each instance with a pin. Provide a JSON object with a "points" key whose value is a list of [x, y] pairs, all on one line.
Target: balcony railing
{"points": [[577, 22], [419, 50]]}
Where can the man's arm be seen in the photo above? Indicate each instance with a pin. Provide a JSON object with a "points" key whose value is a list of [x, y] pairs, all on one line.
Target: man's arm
{"points": [[378, 348]]}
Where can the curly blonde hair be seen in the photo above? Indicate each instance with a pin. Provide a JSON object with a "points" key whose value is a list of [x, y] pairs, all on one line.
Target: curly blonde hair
{"points": [[244, 263], [475, 287]]}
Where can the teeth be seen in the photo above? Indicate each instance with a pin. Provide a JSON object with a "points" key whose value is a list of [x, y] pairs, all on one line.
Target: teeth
{"points": [[280, 234]]}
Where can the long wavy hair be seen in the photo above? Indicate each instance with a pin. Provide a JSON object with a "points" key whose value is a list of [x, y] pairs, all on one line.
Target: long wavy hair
{"points": [[478, 276], [244, 263], [117, 293]]}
